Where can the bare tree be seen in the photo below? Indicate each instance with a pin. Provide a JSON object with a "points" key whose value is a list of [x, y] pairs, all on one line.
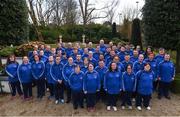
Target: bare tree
{"points": [[69, 11], [129, 13], [111, 10], [34, 19], [87, 11]]}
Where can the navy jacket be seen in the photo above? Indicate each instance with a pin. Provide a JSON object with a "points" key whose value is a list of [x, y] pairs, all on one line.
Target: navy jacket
{"points": [[138, 66], [38, 70], [166, 71], [24, 73], [113, 82], [91, 82], [154, 66], [145, 82], [47, 73], [11, 70], [76, 81], [129, 82], [102, 72], [67, 71], [56, 72]]}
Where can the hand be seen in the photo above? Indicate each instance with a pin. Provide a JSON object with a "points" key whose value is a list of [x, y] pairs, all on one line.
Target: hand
{"points": [[159, 78], [173, 78], [85, 92], [97, 90], [60, 81]]}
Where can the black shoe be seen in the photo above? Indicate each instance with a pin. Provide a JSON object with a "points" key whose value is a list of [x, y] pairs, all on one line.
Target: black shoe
{"points": [[168, 97], [159, 97], [82, 106], [68, 101], [75, 107]]}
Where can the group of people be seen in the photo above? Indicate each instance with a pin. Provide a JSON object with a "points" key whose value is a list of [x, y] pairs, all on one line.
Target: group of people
{"points": [[89, 75]]}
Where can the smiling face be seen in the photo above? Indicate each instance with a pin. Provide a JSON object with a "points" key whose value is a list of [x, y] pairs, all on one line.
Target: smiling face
{"points": [[167, 57], [113, 66], [129, 69], [77, 69], [70, 60], [147, 67], [25, 60], [12, 58], [58, 60], [141, 57], [90, 67], [51, 59], [36, 58]]}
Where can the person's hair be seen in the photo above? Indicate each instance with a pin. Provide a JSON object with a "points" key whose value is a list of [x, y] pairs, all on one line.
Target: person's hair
{"points": [[9, 61], [57, 56], [76, 65], [110, 69], [147, 64], [161, 49], [90, 64]]}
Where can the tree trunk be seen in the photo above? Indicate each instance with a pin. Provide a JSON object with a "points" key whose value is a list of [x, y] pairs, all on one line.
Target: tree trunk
{"points": [[178, 60]]}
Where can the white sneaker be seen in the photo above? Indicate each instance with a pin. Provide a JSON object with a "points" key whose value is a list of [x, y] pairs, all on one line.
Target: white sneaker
{"points": [[108, 108], [139, 108], [114, 108], [62, 101], [133, 99], [56, 102], [130, 107], [123, 107], [148, 108]]}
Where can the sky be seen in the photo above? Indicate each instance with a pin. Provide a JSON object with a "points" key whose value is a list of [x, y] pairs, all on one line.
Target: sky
{"points": [[122, 4]]}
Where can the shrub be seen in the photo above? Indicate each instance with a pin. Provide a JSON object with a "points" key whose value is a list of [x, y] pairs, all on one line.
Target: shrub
{"points": [[7, 51]]}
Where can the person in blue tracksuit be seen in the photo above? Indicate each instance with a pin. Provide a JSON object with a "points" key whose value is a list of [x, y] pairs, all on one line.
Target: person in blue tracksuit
{"points": [[48, 77], [128, 86], [91, 59], [166, 74], [112, 85], [127, 61], [122, 53], [84, 68], [78, 60], [56, 74], [101, 69], [139, 65], [64, 59], [85, 53], [47, 51], [144, 87], [69, 50], [110, 58], [154, 68], [134, 57], [25, 78], [66, 72], [76, 84], [38, 69], [42, 57], [102, 46], [91, 85], [11, 70], [119, 64], [31, 53], [160, 57], [90, 47], [97, 53]]}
